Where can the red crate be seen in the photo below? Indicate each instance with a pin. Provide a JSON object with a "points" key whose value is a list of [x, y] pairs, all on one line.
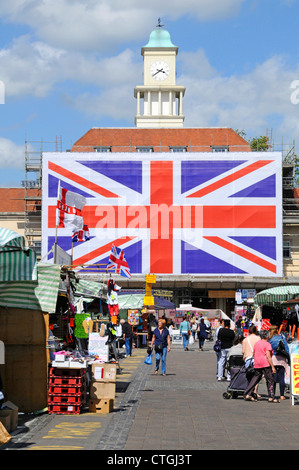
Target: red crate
{"points": [[66, 399], [67, 372], [64, 409], [53, 380], [65, 390]]}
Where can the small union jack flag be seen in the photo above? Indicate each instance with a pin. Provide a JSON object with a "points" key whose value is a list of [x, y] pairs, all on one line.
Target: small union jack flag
{"points": [[81, 235], [117, 262]]}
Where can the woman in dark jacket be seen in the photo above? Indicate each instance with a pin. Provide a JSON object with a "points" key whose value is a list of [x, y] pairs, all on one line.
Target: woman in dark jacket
{"points": [[201, 333], [280, 360]]}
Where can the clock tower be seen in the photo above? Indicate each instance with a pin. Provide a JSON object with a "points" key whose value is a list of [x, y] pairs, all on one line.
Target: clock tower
{"points": [[159, 100]]}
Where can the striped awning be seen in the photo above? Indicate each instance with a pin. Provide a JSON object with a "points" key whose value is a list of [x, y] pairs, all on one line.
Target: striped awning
{"points": [[89, 288], [33, 295], [17, 263], [276, 295]]}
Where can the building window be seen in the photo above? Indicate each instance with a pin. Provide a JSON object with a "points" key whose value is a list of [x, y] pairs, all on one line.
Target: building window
{"points": [[178, 149], [286, 251], [102, 149], [144, 149], [220, 149]]}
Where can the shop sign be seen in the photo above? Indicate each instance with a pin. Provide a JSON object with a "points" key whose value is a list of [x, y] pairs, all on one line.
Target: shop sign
{"points": [[243, 295], [148, 300], [265, 324], [294, 374]]}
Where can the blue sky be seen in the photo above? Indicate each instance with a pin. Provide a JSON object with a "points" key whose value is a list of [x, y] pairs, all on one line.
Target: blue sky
{"points": [[69, 65]]}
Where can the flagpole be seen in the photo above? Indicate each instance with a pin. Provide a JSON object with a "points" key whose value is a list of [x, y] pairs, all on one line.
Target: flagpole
{"points": [[55, 244]]}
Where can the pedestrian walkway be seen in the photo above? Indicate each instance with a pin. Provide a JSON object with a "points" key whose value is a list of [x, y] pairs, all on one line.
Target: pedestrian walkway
{"points": [[185, 410]]}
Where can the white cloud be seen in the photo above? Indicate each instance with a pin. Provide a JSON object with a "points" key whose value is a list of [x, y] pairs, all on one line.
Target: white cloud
{"points": [[34, 68], [250, 101], [100, 25], [11, 154]]}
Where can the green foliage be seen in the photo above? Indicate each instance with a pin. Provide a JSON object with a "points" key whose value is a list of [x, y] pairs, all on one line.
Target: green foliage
{"points": [[257, 144]]}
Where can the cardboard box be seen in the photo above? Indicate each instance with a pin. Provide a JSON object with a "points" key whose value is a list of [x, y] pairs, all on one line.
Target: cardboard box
{"points": [[14, 414], [103, 372], [5, 419], [99, 390], [102, 405], [9, 416]]}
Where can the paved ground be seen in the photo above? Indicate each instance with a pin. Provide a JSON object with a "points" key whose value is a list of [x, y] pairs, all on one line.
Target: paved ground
{"points": [[183, 411]]}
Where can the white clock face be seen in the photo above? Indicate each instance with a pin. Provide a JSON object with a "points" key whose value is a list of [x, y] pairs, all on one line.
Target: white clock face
{"points": [[159, 70]]}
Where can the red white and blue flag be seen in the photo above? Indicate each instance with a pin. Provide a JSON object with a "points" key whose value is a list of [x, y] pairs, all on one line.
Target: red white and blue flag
{"points": [[117, 262], [81, 235], [172, 213]]}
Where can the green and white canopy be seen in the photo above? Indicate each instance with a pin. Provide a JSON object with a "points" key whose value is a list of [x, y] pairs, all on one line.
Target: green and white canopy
{"points": [[41, 294], [276, 295], [17, 263]]}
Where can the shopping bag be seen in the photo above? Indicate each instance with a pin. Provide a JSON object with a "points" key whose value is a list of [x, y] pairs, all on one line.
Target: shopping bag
{"points": [[5, 437], [148, 360], [191, 340]]}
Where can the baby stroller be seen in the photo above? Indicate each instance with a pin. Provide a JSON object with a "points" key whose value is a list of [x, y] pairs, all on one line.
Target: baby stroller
{"points": [[240, 377]]}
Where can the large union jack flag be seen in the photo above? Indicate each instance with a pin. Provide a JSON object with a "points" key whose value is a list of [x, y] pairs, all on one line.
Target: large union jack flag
{"points": [[196, 213]]}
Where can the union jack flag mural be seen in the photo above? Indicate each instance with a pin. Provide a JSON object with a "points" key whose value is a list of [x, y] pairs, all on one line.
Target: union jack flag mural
{"points": [[172, 213]]}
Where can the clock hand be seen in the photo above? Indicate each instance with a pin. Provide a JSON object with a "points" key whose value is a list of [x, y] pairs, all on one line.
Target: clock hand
{"points": [[161, 70]]}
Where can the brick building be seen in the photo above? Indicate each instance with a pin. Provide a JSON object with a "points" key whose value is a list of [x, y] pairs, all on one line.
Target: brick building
{"points": [[161, 140]]}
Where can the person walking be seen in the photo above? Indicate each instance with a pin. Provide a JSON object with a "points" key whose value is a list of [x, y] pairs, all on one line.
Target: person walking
{"points": [[280, 361], [185, 330], [201, 333], [248, 345], [218, 353], [127, 334], [263, 365], [247, 350], [226, 336], [161, 340], [194, 326]]}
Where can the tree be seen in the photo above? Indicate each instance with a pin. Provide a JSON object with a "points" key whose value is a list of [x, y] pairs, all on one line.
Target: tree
{"points": [[257, 144]]}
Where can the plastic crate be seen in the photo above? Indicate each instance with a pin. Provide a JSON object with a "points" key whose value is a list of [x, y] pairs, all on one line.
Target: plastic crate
{"points": [[66, 390], [64, 409], [61, 380], [66, 399], [66, 372]]}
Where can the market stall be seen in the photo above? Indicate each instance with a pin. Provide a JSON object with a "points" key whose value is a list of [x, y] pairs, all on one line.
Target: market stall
{"points": [[131, 307], [278, 306], [213, 315], [28, 293]]}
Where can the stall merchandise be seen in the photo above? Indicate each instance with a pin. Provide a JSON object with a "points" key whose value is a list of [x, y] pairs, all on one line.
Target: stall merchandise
{"points": [[213, 315]]}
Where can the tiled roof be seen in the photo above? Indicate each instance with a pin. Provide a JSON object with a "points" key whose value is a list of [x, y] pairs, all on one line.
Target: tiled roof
{"points": [[13, 199], [126, 139]]}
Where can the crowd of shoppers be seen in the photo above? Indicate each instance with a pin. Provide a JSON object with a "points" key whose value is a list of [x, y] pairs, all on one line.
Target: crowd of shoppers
{"points": [[266, 352], [261, 352]]}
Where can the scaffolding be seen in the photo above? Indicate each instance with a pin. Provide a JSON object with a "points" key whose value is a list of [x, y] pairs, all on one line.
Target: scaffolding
{"points": [[33, 189]]}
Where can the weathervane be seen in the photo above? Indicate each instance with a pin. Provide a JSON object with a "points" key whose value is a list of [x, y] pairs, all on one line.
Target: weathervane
{"points": [[159, 25]]}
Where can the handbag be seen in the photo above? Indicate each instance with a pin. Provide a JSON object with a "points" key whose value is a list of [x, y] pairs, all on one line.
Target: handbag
{"points": [[158, 348], [217, 346], [281, 351], [249, 365]]}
